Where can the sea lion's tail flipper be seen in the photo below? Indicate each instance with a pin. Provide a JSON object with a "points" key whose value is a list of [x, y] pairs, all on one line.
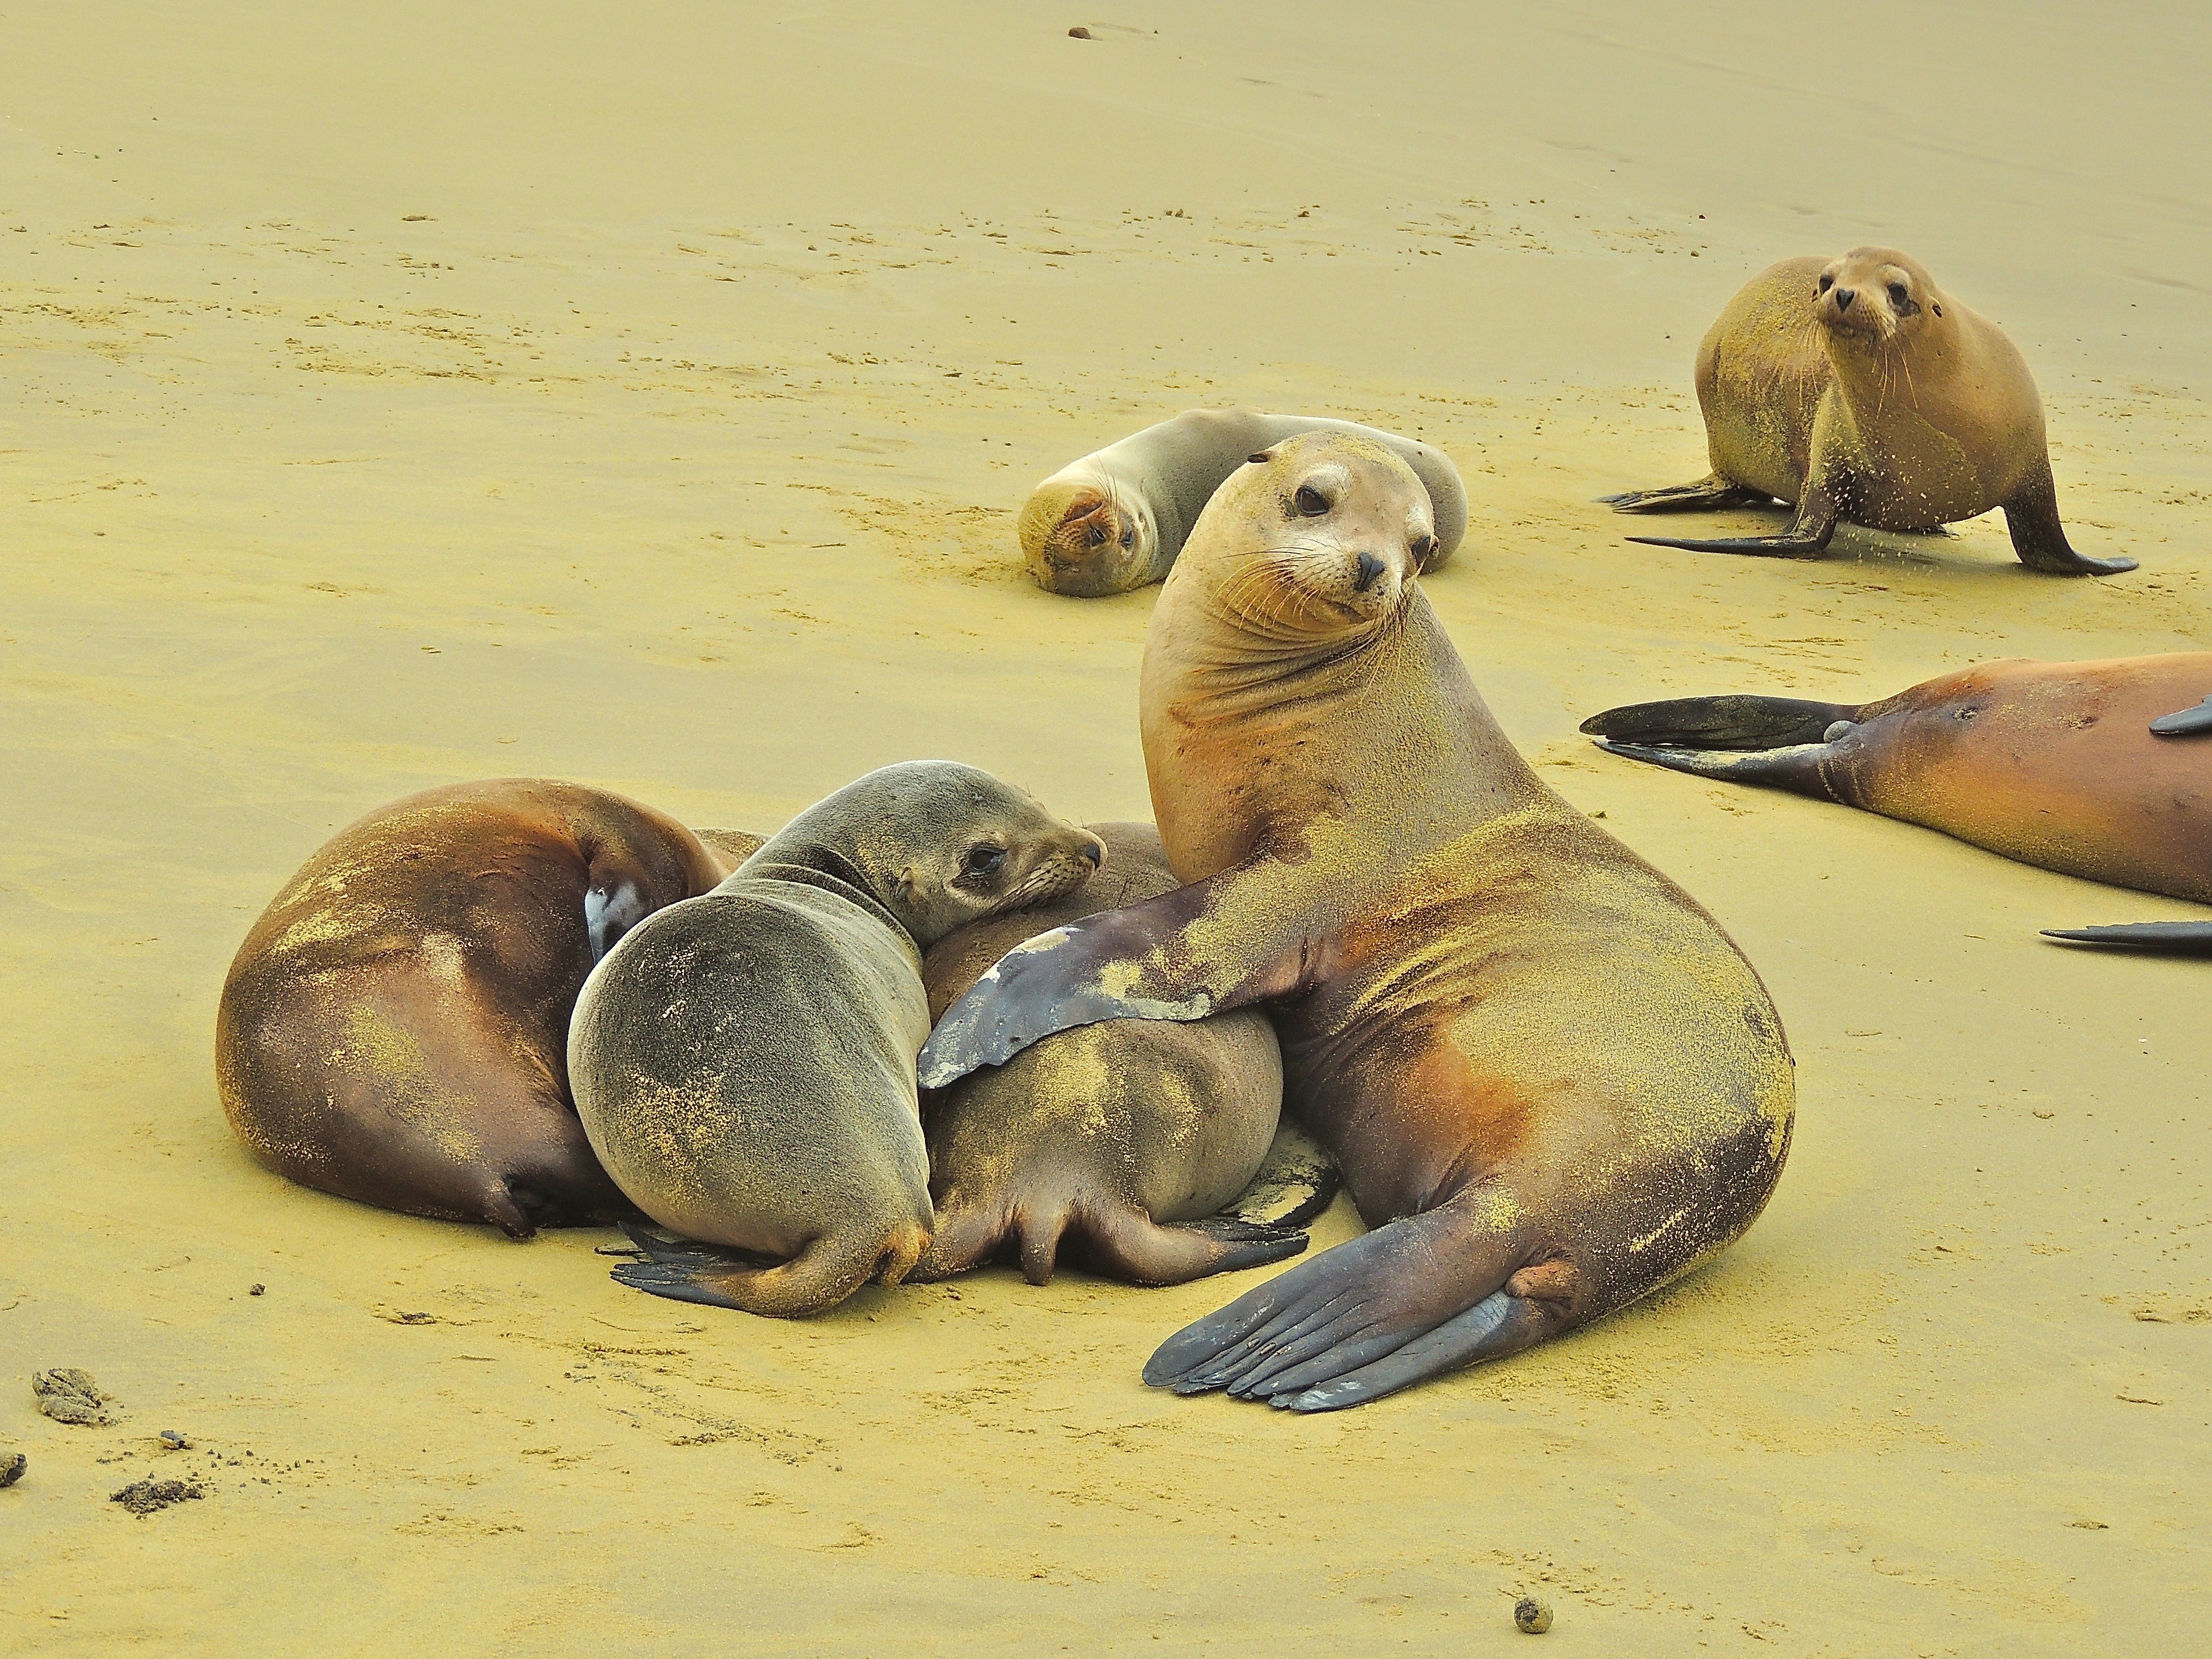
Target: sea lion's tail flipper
{"points": [[2175, 939], [2186, 723], [1411, 1300], [1779, 742], [1295, 1183], [829, 1268], [1710, 492], [2040, 539]]}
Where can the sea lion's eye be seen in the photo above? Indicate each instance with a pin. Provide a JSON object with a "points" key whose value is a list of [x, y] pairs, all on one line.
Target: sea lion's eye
{"points": [[1423, 546], [982, 859], [1310, 501], [1898, 293], [1827, 281]]}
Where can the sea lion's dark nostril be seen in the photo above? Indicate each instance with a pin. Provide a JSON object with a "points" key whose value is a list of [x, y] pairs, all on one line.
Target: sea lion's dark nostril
{"points": [[1095, 852], [1844, 298], [1370, 568]]}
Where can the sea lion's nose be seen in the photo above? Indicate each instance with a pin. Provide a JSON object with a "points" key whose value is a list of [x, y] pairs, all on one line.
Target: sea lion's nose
{"points": [[1095, 852], [1845, 296], [1370, 568]]}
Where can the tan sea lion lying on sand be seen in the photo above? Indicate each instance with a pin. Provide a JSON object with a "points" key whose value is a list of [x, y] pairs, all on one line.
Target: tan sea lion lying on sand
{"points": [[2097, 769], [1855, 388], [395, 1027], [1121, 1141], [1114, 520]]}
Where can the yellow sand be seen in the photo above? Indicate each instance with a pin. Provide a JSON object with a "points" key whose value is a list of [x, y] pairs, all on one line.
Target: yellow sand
{"points": [[642, 393]]}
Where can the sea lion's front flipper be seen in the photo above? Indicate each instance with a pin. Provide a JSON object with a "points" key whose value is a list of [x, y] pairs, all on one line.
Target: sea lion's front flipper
{"points": [[1144, 962], [2177, 939], [2187, 723], [1709, 492], [1297, 1182], [2040, 539], [1412, 1299]]}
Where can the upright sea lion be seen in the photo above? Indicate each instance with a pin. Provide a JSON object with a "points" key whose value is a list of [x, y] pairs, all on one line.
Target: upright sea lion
{"points": [[2057, 764], [1549, 1078], [1855, 388], [1116, 519], [395, 1026], [1106, 1138], [743, 1062]]}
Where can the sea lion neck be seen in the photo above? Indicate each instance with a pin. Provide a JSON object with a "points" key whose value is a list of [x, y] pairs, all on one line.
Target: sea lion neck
{"points": [[817, 863]]}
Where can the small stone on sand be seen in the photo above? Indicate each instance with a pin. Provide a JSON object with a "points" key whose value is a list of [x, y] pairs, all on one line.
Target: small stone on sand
{"points": [[1532, 1616]]}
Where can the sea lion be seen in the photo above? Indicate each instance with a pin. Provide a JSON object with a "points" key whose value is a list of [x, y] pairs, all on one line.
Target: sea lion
{"points": [[2057, 764], [743, 1062], [1551, 1081], [1103, 1138], [394, 1027], [1855, 388], [1115, 521]]}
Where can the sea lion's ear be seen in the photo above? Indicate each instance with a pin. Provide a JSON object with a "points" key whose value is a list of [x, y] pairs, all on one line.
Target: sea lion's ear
{"points": [[909, 884], [1260, 460]]}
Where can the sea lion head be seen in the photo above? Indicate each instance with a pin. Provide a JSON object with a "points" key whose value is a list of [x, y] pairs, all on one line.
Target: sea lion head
{"points": [[1083, 537], [941, 844], [1320, 536], [1877, 295]]}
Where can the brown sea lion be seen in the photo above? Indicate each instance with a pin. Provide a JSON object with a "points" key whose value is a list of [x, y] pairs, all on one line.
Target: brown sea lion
{"points": [[1551, 1080], [1114, 520], [394, 1027], [1120, 1140], [2097, 769], [743, 1062], [1855, 389]]}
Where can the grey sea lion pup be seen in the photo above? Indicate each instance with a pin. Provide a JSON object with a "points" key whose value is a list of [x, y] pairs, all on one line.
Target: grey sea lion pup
{"points": [[395, 1027], [2097, 769], [1118, 1142], [1551, 1081], [1115, 521], [743, 1062], [1855, 389]]}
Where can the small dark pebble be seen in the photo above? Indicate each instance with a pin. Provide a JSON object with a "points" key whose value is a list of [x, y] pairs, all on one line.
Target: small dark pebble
{"points": [[69, 1395], [1532, 1616], [11, 1469], [257, 1290], [145, 1496], [172, 1441], [1080, 32]]}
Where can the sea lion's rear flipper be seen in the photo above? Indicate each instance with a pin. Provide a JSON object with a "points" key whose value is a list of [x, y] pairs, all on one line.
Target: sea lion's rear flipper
{"points": [[1709, 492], [2187, 723], [1729, 722], [1132, 963], [1807, 536], [823, 1273], [2176, 938], [1411, 1300], [1295, 1183], [1129, 1245], [2040, 539]]}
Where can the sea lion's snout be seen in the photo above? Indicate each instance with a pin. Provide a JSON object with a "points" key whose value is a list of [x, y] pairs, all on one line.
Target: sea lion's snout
{"points": [[1843, 297], [1368, 568]]}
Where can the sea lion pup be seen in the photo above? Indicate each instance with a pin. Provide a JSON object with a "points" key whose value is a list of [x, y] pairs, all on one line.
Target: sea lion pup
{"points": [[2084, 768], [1551, 1080], [744, 1063], [395, 1026], [1103, 1138], [1855, 388], [1115, 521]]}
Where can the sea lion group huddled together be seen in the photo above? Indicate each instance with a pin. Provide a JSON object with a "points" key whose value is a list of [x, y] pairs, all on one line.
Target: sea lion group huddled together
{"points": [[929, 1024]]}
